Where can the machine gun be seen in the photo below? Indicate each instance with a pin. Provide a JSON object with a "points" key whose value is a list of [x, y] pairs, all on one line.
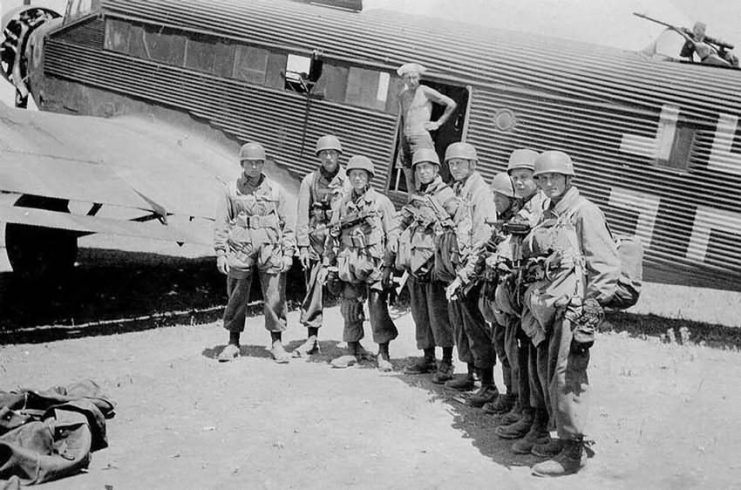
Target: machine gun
{"points": [[720, 54]]}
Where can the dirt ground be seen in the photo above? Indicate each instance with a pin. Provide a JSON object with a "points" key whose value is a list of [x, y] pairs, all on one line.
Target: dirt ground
{"points": [[663, 415]]}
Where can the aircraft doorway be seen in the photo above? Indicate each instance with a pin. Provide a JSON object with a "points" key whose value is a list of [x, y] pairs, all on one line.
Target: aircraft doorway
{"points": [[452, 131]]}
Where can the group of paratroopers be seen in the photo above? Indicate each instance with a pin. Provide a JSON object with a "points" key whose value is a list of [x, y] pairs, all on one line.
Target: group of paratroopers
{"points": [[517, 270]]}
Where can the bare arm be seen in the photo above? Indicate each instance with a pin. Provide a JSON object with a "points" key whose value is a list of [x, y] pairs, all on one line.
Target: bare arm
{"points": [[441, 99]]}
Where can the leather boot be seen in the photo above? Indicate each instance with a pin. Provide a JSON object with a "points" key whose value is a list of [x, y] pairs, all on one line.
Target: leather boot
{"points": [[518, 429], [444, 373], [538, 434], [513, 415], [549, 450], [570, 460], [421, 366], [463, 383], [501, 405], [485, 394]]}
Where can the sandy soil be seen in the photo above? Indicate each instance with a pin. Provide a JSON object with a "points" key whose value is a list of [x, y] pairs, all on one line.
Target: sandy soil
{"points": [[663, 415]]}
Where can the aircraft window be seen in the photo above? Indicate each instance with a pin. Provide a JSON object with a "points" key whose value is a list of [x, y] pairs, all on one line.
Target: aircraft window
{"points": [[367, 88], [297, 73], [78, 8], [137, 46], [207, 54], [165, 45], [332, 85], [276, 64], [117, 35], [251, 64], [392, 100], [200, 53]]}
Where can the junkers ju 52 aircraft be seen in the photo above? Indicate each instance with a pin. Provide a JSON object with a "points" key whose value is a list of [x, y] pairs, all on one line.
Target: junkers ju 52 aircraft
{"points": [[657, 143]]}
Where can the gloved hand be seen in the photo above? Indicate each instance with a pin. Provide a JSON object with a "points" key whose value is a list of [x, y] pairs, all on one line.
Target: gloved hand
{"points": [[387, 279], [451, 292], [585, 325], [304, 258], [287, 263], [221, 264]]}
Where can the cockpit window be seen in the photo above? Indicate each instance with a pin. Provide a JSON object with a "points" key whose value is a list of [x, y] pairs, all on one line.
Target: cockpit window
{"points": [[78, 8]]}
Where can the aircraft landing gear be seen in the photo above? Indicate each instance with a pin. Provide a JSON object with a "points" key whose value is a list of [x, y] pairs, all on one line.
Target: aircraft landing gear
{"points": [[39, 254]]}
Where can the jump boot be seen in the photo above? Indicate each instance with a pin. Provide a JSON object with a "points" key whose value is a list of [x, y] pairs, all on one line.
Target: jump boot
{"points": [[549, 450], [488, 391], [538, 433], [444, 372], [570, 460], [463, 383], [513, 415], [311, 346], [518, 429], [501, 405], [423, 366]]}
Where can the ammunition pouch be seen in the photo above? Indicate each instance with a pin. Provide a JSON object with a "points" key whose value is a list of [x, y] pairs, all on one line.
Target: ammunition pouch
{"points": [[447, 256]]}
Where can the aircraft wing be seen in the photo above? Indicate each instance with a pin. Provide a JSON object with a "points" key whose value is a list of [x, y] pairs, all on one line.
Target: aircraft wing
{"points": [[149, 167]]}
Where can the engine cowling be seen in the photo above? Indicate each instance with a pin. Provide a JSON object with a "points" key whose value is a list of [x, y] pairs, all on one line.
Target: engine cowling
{"points": [[19, 25]]}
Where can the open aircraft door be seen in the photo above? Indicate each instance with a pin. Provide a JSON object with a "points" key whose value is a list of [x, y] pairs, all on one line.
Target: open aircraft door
{"points": [[455, 129]]}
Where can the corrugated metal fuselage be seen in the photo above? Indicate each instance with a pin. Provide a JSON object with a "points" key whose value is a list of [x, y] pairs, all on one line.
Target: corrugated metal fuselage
{"points": [[656, 144]]}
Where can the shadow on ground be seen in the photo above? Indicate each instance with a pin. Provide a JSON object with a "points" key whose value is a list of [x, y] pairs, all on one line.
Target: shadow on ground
{"points": [[472, 422], [641, 326], [113, 291], [328, 350]]}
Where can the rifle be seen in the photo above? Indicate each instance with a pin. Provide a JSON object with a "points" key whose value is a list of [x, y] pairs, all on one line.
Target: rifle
{"points": [[439, 214], [719, 46], [347, 222]]}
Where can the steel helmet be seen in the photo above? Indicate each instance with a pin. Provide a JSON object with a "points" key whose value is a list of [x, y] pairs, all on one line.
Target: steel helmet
{"points": [[465, 151], [359, 162], [553, 161], [502, 184], [328, 142], [252, 151], [524, 158], [425, 155]]}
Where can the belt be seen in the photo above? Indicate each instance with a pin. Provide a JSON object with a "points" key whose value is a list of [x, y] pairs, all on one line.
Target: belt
{"points": [[257, 222]]}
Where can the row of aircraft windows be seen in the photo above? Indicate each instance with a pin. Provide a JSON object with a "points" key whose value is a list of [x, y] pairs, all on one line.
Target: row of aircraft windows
{"points": [[346, 84]]}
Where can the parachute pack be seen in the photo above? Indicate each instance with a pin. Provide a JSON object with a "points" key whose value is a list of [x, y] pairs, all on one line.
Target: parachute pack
{"points": [[630, 250], [630, 281]]}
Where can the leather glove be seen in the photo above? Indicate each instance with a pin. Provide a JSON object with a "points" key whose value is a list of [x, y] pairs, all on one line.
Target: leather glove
{"points": [[287, 263], [585, 325], [304, 258], [222, 265], [451, 292]]}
